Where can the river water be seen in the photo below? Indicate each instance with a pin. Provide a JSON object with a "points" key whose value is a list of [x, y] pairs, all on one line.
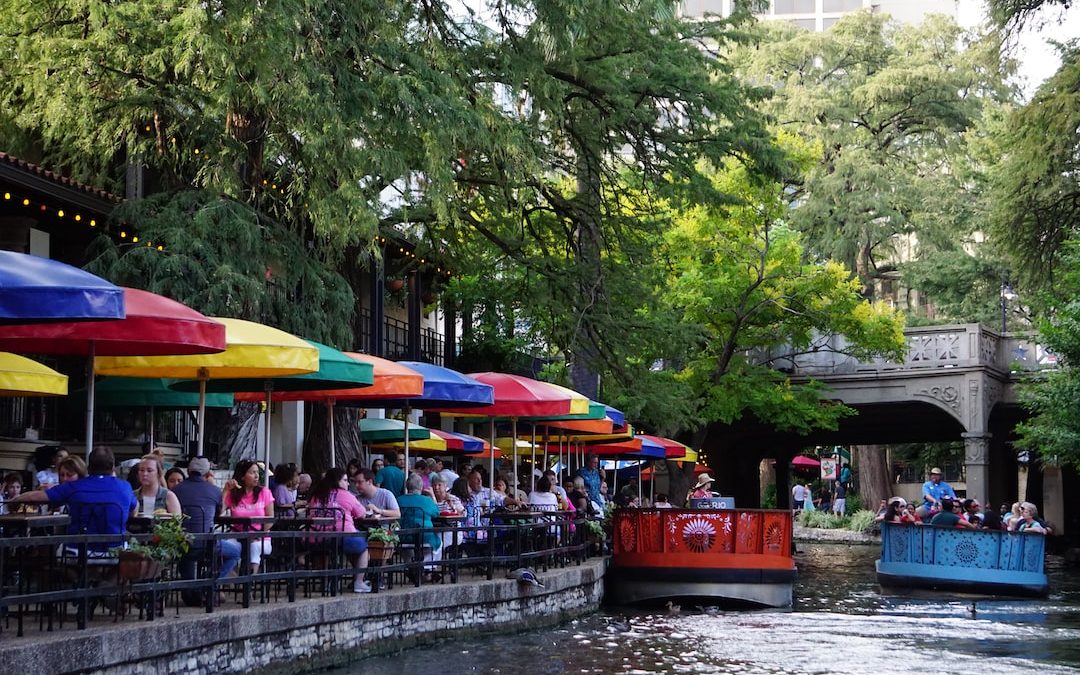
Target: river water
{"points": [[841, 623]]}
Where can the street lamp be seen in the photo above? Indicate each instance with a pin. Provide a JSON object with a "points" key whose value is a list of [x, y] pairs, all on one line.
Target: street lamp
{"points": [[1007, 294]]}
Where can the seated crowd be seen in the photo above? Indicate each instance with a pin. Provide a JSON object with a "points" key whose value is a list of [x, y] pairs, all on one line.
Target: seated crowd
{"points": [[965, 513], [98, 502]]}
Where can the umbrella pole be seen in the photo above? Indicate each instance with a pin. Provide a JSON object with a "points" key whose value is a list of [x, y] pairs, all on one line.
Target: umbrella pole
{"points": [[151, 428], [639, 482], [652, 485], [512, 488], [491, 477], [90, 400], [615, 480], [408, 467], [266, 418], [532, 473], [333, 445], [202, 412]]}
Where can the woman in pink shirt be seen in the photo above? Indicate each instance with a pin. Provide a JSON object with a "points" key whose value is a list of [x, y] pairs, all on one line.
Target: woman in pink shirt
{"points": [[249, 498], [331, 497]]}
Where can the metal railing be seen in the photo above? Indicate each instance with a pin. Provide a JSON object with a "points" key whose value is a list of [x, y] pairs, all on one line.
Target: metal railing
{"points": [[48, 577], [396, 339]]}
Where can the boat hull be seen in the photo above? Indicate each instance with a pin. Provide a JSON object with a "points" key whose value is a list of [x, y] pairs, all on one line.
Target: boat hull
{"points": [[730, 557], [724, 587], [987, 562]]}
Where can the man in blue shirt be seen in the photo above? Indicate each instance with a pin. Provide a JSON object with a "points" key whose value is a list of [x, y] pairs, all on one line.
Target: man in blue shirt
{"points": [[390, 477], [590, 473], [934, 490], [97, 504]]}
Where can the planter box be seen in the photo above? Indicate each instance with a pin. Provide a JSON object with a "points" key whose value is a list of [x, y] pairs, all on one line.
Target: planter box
{"points": [[378, 550], [138, 567]]}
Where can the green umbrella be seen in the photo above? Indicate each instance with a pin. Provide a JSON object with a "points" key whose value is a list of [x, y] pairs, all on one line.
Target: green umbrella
{"points": [[153, 394], [378, 430], [337, 370]]}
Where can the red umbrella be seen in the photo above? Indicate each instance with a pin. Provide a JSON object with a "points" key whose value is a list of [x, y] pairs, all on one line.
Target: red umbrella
{"points": [[154, 326], [671, 448], [517, 396], [802, 461]]}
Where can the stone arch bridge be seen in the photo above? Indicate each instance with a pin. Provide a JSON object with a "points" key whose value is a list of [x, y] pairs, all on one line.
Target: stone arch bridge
{"points": [[956, 382]]}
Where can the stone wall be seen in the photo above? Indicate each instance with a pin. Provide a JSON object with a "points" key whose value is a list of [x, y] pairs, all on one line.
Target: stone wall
{"points": [[309, 634]]}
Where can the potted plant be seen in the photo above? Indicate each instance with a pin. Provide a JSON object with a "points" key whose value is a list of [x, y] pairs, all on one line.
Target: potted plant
{"points": [[142, 560], [594, 533], [382, 541]]}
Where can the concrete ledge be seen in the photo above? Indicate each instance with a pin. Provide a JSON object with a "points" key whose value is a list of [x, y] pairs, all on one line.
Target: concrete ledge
{"points": [[822, 535], [308, 634]]}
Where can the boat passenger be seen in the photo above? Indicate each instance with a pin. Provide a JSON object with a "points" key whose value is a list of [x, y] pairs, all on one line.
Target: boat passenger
{"points": [[1029, 520], [911, 515], [702, 489], [934, 490], [947, 517], [894, 511], [662, 502], [1013, 517]]}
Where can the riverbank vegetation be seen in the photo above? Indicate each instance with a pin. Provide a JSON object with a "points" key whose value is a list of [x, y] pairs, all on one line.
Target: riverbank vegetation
{"points": [[859, 521]]}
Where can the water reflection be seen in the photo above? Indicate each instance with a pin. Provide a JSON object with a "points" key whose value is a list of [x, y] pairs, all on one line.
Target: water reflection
{"points": [[841, 624]]}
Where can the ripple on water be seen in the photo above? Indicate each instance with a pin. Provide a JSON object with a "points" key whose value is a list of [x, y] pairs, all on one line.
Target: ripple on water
{"points": [[841, 624]]}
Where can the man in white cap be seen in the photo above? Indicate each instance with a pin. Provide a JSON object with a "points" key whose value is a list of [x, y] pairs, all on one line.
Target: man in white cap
{"points": [[933, 491]]}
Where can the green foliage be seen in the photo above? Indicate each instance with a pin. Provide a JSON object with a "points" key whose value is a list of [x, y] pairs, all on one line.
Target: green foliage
{"points": [[167, 542], [386, 534], [861, 521], [1036, 185], [743, 291], [896, 110], [224, 259], [768, 498], [820, 519]]}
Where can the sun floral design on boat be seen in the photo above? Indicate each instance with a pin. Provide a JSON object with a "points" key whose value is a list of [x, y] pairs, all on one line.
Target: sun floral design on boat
{"points": [[898, 543], [747, 533], [699, 535], [627, 535], [966, 551], [774, 538]]}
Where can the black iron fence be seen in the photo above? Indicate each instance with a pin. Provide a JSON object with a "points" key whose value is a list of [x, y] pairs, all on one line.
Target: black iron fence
{"points": [[54, 581], [396, 339]]}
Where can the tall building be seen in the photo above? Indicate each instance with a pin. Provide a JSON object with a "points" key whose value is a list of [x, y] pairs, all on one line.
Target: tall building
{"points": [[819, 15]]}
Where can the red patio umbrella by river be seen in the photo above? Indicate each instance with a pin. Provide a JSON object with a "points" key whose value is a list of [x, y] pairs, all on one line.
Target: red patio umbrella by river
{"points": [[154, 325], [804, 462]]}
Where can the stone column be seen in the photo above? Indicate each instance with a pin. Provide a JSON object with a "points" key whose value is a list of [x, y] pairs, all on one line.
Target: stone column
{"points": [[977, 463]]}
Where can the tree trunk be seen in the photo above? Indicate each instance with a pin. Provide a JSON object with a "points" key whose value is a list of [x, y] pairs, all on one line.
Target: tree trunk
{"points": [[346, 435], [875, 478]]}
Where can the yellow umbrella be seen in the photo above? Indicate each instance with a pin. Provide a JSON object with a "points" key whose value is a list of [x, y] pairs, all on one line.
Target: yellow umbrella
{"points": [[20, 376], [433, 444], [690, 456], [252, 350]]}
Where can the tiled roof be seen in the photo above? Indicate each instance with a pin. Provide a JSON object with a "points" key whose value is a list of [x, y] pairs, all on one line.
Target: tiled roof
{"points": [[54, 177]]}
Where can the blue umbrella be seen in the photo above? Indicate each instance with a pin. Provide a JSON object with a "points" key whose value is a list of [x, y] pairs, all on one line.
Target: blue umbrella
{"points": [[616, 416], [35, 289], [443, 387]]}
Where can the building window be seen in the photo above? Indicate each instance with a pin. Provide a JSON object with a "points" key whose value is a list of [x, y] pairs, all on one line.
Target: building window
{"points": [[698, 8], [806, 24], [794, 6], [841, 5], [826, 24]]}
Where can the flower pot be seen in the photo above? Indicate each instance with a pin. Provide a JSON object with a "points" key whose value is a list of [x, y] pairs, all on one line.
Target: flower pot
{"points": [[380, 550], [430, 298], [135, 566], [395, 285]]}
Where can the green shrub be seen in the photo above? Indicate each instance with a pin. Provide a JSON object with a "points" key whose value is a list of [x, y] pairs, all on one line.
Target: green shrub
{"points": [[820, 519], [853, 503], [861, 521], [768, 499]]}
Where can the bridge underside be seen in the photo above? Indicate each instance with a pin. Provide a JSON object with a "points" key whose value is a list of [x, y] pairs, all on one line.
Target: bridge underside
{"points": [[738, 449]]}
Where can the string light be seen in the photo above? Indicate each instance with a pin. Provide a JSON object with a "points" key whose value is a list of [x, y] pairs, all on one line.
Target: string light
{"points": [[123, 234], [7, 195], [134, 240], [60, 213], [78, 217], [26, 202]]}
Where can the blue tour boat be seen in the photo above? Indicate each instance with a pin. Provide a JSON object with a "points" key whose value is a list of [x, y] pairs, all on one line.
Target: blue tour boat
{"points": [[968, 561]]}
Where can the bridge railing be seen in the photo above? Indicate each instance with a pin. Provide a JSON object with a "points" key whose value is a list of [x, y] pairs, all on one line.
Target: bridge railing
{"points": [[928, 347]]}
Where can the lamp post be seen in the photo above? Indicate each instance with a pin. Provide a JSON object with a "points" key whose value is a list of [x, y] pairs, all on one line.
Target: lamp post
{"points": [[1007, 294]]}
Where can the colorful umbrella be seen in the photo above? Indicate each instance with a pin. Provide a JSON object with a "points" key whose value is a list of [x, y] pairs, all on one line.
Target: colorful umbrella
{"points": [[672, 448], [152, 394], [462, 442], [252, 350], [20, 376], [36, 289], [154, 325], [380, 430], [802, 461], [517, 396]]}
